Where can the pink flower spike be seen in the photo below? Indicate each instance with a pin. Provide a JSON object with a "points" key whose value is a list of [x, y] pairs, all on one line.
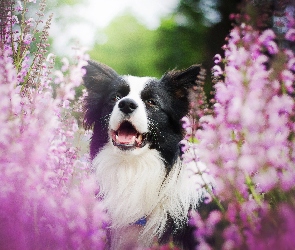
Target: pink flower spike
{"points": [[291, 64], [50, 57], [217, 58], [232, 16], [213, 219], [66, 64], [217, 71], [19, 6], [30, 22], [290, 35], [28, 39], [272, 47], [266, 36], [288, 79]]}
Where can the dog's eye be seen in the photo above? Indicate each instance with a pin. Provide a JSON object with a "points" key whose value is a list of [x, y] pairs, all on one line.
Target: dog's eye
{"points": [[150, 102], [116, 97]]}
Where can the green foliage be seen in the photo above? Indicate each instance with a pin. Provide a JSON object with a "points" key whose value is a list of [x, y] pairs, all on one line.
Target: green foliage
{"points": [[185, 37], [179, 45], [130, 47]]}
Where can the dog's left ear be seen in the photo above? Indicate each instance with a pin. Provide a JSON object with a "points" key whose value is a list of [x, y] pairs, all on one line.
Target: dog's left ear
{"points": [[99, 76], [98, 80], [179, 81]]}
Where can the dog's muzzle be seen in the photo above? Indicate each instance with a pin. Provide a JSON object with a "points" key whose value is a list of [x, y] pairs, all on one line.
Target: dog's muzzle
{"points": [[127, 137]]}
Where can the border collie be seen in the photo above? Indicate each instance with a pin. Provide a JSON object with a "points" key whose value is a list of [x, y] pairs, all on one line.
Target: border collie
{"points": [[136, 154]]}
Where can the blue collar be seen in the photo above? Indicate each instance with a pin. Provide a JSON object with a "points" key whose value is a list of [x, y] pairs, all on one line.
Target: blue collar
{"points": [[141, 221]]}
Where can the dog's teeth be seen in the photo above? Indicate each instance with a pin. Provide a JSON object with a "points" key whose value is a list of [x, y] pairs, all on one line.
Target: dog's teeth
{"points": [[139, 137], [117, 138]]}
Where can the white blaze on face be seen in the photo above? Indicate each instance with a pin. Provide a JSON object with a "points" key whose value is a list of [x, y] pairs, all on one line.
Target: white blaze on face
{"points": [[138, 117]]}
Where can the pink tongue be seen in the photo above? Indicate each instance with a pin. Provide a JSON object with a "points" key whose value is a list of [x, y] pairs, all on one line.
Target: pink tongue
{"points": [[125, 137]]}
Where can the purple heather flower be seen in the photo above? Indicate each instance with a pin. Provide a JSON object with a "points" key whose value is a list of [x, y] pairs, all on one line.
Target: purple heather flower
{"points": [[248, 144], [43, 175], [272, 47], [233, 237], [30, 22], [267, 36], [14, 20], [291, 64], [65, 66], [290, 35], [217, 71], [217, 58], [28, 39], [288, 79], [19, 6]]}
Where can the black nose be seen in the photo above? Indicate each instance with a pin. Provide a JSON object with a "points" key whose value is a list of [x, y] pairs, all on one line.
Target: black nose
{"points": [[127, 105]]}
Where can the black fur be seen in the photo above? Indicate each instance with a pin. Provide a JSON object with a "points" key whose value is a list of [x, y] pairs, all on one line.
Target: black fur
{"points": [[102, 83]]}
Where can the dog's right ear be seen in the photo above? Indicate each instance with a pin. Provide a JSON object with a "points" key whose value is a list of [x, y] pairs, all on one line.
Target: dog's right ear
{"points": [[99, 75], [98, 80]]}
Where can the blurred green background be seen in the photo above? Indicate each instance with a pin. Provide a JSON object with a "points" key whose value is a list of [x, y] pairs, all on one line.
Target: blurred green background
{"points": [[184, 37], [192, 32]]}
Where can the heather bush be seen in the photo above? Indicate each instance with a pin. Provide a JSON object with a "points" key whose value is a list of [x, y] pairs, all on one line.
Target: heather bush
{"points": [[247, 143], [47, 190]]}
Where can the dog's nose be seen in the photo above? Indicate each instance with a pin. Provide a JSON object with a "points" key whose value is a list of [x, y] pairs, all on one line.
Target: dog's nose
{"points": [[127, 105]]}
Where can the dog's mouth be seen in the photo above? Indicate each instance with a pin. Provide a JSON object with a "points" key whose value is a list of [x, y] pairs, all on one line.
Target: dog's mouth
{"points": [[127, 137]]}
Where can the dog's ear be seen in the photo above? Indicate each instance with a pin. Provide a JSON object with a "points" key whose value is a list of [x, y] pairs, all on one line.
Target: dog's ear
{"points": [[99, 75], [98, 80], [179, 81], [178, 84]]}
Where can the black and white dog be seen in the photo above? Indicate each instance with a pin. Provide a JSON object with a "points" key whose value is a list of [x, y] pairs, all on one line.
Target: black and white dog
{"points": [[136, 154]]}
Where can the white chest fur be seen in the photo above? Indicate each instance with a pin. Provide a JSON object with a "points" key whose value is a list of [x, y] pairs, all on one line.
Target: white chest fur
{"points": [[136, 186]]}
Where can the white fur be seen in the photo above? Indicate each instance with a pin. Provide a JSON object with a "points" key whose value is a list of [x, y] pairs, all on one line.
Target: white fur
{"points": [[139, 117], [135, 187], [129, 184]]}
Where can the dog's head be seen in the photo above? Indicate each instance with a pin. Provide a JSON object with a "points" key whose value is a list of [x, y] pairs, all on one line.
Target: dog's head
{"points": [[135, 113]]}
